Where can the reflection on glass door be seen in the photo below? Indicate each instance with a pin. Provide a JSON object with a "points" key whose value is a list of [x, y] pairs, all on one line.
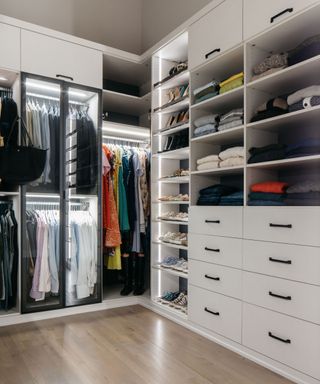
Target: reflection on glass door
{"points": [[82, 239]]}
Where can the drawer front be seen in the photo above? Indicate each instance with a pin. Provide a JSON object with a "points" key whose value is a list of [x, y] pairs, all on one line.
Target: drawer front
{"points": [[216, 249], [299, 225], [259, 16], [216, 278], [288, 297], [293, 262], [205, 38], [218, 221], [10, 47], [299, 348], [216, 312]]}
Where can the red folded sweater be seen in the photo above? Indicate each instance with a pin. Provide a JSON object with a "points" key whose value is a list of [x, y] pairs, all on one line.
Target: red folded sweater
{"points": [[270, 187]]}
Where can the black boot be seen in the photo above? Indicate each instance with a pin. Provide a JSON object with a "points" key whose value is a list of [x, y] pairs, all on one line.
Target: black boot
{"points": [[127, 273], [139, 276]]}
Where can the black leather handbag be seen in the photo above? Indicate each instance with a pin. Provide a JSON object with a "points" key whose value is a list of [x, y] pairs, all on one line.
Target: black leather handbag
{"points": [[21, 164]]}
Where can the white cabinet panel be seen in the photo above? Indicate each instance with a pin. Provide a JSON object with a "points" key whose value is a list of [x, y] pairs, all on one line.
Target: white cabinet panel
{"points": [[216, 249], [10, 47], [288, 297], [216, 312], [291, 341], [260, 15], [218, 221], [215, 32], [292, 225], [293, 262], [47, 56]]}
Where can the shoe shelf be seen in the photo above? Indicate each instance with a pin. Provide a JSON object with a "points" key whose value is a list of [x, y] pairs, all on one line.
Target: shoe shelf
{"points": [[128, 104], [169, 309], [171, 271], [174, 81], [5, 193], [170, 245], [221, 137], [174, 106], [170, 131], [221, 171], [174, 222], [177, 154], [175, 180]]}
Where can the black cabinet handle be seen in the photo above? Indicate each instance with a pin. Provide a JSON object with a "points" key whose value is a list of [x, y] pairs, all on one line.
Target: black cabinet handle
{"points": [[287, 341], [280, 225], [288, 10], [212, 221], [212, 52], [211, 249], [212, 278], [280, 261], [212, 313], [280, 296], [65, 77]]}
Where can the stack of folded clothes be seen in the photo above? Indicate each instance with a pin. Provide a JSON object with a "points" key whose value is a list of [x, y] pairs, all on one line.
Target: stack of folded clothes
{"points": [[304, 98], [231, 157], [231, 82], [268, 193], [232, 119], [271, 64], [235, 198], [304, 193], [205, 125], [212, 195], [306, 50], [306, 147], [267, 153], [206, 91], [208, 162], [274, 107]]}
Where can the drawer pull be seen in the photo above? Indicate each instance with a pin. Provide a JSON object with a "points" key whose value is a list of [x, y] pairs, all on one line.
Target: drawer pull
{"points": [[212, 278], [287, 341], [280, 261], [212, 52], [212, 313], [280, 296], [65, 77], [212, 221], [280, 225], [212, 249], [288, 10]]}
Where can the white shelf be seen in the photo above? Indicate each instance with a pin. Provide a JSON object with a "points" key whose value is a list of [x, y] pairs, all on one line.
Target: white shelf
{"points": [[177, 154], [169, 309], [221, 103], [171, 271], [179, 79], [172, 202], [175, 222], [126, 104], [175, 180], [4, 193], [220, 171], [286, 163], [169, 131], [184, 103], [175, 246], [228, 136]]}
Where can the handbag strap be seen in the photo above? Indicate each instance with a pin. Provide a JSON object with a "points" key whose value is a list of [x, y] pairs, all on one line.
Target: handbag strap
{"points": [[23, 131]]}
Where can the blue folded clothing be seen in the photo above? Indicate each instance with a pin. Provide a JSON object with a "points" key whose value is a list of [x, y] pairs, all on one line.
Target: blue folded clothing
{"points": [[218, 189], [304, 196], [260, 203], [208, 201], [307, 147], [302, 202], [266, 196], [205, 130]]}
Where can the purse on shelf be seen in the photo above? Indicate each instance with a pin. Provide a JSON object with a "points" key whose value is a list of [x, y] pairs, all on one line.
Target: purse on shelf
{"points": [[21, 164]]}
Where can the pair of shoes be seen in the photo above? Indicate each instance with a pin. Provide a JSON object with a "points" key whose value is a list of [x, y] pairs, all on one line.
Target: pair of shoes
{"points": [[169, 262], [174, 216], [177, 119], [179, 197], [180, 302], [179, 67], [167, 297], [177, 93], [180, 266], [176, 141], [176, 238]]}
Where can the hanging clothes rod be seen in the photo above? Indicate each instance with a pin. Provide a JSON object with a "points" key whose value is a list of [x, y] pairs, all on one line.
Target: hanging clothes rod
{"points": [[124, 139], [38, 96], [51, 203]]}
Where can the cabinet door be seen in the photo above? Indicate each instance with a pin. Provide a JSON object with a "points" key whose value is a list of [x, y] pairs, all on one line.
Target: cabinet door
{"points": [[10, 47], [259, 15], [213, 34], [43, 55]]}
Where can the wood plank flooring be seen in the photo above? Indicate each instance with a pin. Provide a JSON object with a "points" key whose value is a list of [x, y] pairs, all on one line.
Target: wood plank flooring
{"points": [[129, 345]]}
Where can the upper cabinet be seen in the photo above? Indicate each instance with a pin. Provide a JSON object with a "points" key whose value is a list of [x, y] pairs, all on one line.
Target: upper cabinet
{"points": [[260, 15], [10, 47], [216, 32], [47, 56]]}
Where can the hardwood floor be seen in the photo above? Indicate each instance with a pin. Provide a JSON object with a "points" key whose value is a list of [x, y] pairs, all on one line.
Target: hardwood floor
{"points": [[129, 345]]}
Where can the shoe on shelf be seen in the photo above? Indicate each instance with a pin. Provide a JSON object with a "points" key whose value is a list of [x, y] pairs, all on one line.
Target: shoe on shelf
{"points": [[169, 262], [181, 266], [169, 297], [180, 302]]}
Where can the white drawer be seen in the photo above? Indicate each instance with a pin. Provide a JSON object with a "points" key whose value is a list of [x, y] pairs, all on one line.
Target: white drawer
{"points": [[216, 278], [299, 225], [216, 312], [219, 221], [289, 297], [300, 348], [216, 249], [293, 262]]}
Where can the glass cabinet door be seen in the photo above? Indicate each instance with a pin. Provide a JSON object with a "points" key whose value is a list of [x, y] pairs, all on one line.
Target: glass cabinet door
{"points": [[82, 186], [42, 283]]}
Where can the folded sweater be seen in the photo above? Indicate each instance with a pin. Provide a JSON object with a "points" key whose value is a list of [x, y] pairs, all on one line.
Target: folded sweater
{"points": [[232, 152], [207, 159], [313, 90], [237, 76], [232, 162], [273, 61], [208, 165], [205, 129], [305, 187], [218, 189], [270, 187], [207, 119], [231, 124]]}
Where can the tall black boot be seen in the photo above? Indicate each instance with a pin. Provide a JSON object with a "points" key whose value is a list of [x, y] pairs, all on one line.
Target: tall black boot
{"points": [[127, 273], [139, 276]]}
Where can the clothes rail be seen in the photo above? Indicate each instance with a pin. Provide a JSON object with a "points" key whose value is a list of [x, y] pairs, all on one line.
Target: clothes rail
{"points": [[38, 96]]}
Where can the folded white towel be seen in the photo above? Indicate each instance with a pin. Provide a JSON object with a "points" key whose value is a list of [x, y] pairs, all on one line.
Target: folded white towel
{"points": [[232, 152], [231, 162], [209, 165], [207, 159], [313, 90]]}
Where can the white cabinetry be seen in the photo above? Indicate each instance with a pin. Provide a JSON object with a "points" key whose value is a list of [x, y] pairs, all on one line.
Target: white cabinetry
{"points": [[216, 32], [47, 56], [10, 47]]}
